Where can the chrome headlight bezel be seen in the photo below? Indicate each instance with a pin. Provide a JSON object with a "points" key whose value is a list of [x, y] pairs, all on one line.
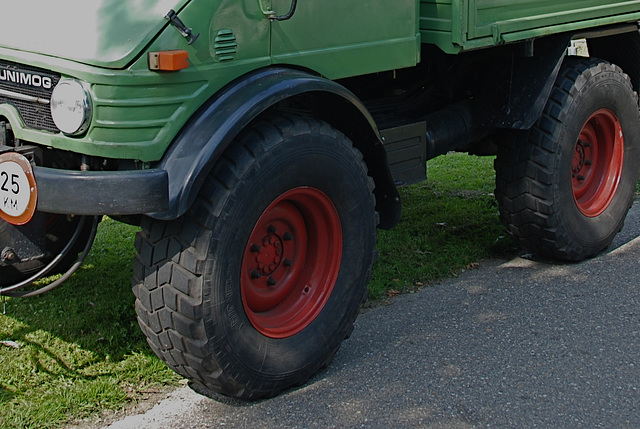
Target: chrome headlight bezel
{"points": [[71, 107]]}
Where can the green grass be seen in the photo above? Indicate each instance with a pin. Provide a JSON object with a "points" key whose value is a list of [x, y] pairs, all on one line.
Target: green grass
{"points": [[449, 223], [81, 351], [80, 348]]}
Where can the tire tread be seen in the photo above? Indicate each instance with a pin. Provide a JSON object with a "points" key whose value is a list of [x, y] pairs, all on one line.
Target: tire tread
{"points": [[525, 178], [168, 281]]}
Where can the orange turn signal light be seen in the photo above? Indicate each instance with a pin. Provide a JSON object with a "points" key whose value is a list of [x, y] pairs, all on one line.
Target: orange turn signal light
{"points": [[169, 60]]}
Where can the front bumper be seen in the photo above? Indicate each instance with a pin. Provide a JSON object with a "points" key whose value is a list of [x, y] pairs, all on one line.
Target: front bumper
{"points": [[101, 192]]}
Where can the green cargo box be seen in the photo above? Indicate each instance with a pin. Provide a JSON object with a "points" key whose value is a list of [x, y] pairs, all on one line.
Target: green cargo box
{"points": [[457, 25]]}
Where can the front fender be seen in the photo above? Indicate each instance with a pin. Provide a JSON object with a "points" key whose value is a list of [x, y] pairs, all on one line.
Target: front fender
{"points": [[214, 126]]}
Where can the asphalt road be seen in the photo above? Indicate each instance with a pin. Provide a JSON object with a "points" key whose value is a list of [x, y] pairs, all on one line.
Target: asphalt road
{"points": [[513, 344]]}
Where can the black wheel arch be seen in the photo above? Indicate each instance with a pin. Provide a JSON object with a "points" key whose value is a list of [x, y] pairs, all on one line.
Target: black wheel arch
{"points": [[212, 129], [519, 92]]}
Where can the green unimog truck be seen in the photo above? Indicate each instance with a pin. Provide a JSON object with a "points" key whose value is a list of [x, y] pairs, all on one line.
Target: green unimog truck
{"points": [[259, 144]]}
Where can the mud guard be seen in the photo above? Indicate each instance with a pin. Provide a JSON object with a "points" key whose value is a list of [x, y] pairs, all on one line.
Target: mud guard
{"points": [[212, 129], [530, 82]]}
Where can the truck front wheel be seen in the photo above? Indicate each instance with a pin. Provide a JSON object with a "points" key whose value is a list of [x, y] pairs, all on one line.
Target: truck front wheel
{"points": [[565, 190], [254, 289]]}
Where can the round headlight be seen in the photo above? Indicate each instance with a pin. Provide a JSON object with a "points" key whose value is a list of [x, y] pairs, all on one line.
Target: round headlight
{"points": [[71, 107]]}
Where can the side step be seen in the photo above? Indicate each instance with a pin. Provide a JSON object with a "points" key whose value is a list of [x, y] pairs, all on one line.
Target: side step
{"points": [[406, 148]]}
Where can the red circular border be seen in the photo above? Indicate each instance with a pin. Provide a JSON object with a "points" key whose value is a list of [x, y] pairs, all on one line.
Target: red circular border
{"points": [[33, 197]]}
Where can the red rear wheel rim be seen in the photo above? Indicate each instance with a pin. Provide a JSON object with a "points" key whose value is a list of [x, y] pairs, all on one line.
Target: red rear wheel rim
{"points": [[597, 163], [291, 262]]}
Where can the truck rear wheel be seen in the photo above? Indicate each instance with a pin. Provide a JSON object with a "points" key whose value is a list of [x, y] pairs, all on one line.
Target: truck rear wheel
{"points": [[254, 289], [564, 192]]}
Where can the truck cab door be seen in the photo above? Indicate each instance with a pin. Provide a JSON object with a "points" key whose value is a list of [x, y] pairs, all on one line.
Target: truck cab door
{"points": [[341, 38]]}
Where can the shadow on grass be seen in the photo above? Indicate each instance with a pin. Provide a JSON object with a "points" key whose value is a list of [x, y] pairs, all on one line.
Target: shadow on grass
{"points": [[5, 394], [79, 349], [94, 310]]}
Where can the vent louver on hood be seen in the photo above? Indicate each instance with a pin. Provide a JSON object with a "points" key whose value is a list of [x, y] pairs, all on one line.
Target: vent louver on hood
{"points": [[226, 45]]}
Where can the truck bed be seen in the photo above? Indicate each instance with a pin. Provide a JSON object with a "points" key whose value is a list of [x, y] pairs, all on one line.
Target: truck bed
{"points": [[457, 25]]}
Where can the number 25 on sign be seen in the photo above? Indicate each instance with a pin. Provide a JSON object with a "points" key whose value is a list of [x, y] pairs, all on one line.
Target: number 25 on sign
{"points": [[18, 193]]}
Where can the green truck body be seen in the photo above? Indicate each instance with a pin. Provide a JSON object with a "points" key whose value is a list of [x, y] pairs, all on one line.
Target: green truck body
{"points": [[455, 26], [138, 112], [218, 124]]}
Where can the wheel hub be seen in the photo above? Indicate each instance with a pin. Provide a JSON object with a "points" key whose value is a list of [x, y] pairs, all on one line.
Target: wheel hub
{"points": [[597, 163], [269, 254], [291, 262], [580, 159]]}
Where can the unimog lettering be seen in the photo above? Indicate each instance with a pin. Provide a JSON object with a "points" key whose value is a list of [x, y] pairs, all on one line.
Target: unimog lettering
{"points": [[23, 78]]}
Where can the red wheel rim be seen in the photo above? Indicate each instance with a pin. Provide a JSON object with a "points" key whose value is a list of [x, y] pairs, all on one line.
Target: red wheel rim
{"points": [[597, 163], [291, 262]]}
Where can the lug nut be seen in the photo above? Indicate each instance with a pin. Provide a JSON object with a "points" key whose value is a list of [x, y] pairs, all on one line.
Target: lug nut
{"points": [[8, 255], [255, 274], [287, 236], [271, 281], [271, 229], [287, 262], [255, 248]]}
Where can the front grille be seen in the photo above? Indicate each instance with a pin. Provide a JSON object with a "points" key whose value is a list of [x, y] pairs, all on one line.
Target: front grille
{"points": [[32, 82]]}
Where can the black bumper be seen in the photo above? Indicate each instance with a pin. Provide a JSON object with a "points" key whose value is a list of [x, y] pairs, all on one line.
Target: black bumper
{"points": [[101, 192]]}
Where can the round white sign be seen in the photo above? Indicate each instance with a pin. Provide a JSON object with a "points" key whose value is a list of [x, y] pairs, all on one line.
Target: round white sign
{"points": [[17, 189]]}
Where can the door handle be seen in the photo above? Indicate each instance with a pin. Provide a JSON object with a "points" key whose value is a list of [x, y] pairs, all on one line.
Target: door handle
{"points": [[274, 17]]}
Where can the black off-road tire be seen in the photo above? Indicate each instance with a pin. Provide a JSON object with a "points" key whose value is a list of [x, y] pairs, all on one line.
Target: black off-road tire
{"points": [[254, 289], [565, 188]]}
